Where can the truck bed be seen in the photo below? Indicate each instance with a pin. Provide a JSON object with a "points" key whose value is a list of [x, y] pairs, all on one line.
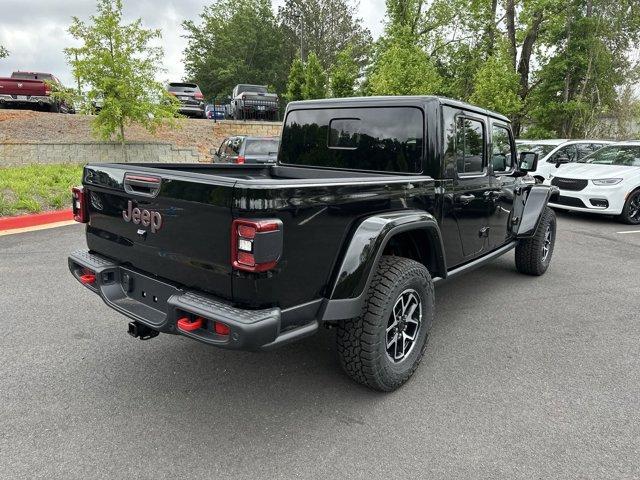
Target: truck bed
{"points": [[318, 207]]}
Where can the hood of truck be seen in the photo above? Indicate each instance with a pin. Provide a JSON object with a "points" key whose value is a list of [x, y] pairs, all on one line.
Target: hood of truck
{"points": [[181, 233]]}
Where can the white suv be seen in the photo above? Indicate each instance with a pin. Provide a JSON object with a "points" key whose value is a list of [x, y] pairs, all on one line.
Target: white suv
{"points": [[553, 153], [607, 181]]}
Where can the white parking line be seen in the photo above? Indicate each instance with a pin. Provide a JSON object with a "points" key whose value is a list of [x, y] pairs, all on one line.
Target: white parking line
{"points": [[629, 231]]}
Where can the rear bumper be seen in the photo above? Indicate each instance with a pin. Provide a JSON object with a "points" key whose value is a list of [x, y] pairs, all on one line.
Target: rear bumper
{"points": [[159, 305], [8, 99], [191, 109]]}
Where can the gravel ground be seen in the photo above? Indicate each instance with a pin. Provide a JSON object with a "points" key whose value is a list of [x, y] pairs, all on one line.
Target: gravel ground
{"points": [[523, 378]]}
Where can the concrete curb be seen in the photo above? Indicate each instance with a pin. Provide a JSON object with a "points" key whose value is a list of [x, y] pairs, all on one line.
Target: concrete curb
{"points": [[32, 220]]}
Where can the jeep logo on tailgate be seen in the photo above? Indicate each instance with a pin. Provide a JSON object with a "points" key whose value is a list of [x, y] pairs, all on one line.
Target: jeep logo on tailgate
{"points": [[144, 217]]}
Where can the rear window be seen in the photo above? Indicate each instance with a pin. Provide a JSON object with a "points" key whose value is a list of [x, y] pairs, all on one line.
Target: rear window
{"points": [[252, 88], [386, 139], [32, 76], [262, 147], [183, 87]]}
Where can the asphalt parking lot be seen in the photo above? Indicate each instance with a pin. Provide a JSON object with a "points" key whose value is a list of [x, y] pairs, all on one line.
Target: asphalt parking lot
{"points": [[523, 378]]}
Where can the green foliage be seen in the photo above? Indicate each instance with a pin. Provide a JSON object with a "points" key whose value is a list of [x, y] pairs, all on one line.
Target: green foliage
{"points": [[3, 52], [315, 79], [34, 188], [401, 67], [236, 41], [296, 81], [344, 74], [117, 62], [580, 82], [327, 28], [496, 85]]}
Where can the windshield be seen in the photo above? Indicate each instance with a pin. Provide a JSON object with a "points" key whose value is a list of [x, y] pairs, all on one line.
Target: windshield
{"points": [[262, 147], [541, 150], [627, 155]]}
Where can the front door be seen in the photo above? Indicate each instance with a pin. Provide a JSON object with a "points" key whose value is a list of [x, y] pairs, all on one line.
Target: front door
{"points": [[501, 198]]}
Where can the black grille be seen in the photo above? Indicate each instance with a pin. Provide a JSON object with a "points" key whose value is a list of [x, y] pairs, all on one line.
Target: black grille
{"points": [[574, 184], [569, 201]]}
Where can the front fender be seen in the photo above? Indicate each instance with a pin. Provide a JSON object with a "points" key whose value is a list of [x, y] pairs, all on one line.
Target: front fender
{"points": [[363, 254], [535, 202]]}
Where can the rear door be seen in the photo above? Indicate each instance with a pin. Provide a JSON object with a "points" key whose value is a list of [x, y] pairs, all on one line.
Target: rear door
{"points": [[173, 225], [472, 184]]}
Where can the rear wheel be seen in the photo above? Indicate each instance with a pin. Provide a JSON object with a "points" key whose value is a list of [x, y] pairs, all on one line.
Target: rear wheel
{"points": [[631, 211], [384, 345], [533, 255]]}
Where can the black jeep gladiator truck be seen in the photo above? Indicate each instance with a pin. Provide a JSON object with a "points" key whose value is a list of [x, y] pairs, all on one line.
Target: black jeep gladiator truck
{"points": [[372, 201]]}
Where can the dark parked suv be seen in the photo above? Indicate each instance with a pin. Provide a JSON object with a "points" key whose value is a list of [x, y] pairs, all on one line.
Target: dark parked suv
{"points": [[191, 98], [243, 149], [371, 203]]}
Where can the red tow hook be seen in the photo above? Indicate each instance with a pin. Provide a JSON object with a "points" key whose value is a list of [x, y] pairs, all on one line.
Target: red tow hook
{"points": [[188, 325], [88, 279]]}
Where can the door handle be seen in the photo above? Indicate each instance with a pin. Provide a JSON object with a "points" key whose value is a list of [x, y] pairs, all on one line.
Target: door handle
{"points": [[465, 199]]}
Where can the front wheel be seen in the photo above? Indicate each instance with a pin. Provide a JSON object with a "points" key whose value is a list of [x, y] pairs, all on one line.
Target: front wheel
{"points": [[631, 210], [384, 345], [533, 255]]}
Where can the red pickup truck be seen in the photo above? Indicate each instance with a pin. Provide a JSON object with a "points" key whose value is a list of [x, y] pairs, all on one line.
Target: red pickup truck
{"points": [[33, 90]]}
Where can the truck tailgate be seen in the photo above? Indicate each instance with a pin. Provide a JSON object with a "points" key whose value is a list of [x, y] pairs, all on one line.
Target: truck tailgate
{"points": [[12, 86], [169, 224]]}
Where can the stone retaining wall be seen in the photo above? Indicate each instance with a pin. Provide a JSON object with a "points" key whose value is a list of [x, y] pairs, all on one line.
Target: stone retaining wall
{"points": [[13, 154], [209, 135]]}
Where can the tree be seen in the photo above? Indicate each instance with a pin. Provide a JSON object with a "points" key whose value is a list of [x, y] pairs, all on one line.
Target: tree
{"points": [[582, 80], [344, 74], [326, 28], [117, 63], [315, 79], [496, 85], [236, 41], [3, 52], [296, 81], [402, 67]]}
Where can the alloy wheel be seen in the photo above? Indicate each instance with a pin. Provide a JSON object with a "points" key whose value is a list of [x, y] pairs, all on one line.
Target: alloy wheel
{"points": [[546, 245], [403, 325]]}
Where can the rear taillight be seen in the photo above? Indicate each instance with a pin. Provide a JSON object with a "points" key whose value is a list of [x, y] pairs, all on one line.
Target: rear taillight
{"points": [[198, 96], [256, 245], [80, 213], [240, 160]]}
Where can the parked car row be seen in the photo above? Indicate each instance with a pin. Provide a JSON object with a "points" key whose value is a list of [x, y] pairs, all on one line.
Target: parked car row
{"points": [[594, 176]]}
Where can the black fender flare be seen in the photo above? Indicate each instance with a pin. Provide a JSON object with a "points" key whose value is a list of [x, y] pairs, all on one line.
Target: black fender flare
{"points": [[536, 200], [362, 255]]}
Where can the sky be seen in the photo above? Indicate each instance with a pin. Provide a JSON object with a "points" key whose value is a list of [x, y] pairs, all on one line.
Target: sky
{"points": [[36, 36]]}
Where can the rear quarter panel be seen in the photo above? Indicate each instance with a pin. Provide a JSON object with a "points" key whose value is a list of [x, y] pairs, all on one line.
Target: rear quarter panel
{"points": [[318, 221]]}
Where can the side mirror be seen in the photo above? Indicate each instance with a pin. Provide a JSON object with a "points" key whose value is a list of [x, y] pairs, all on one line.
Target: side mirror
{"points": [[528, 162], [562, 160]]}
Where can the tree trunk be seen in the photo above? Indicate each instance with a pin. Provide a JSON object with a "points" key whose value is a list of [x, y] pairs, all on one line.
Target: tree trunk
{"points": [[490, 32], [524, 66], [510, 14]]}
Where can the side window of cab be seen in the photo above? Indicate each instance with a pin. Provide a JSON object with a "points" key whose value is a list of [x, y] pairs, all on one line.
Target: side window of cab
{"points": [[502, 149]]}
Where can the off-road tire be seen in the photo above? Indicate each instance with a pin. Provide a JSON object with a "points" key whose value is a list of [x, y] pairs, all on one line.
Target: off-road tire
{"points": [[530, 253], [626, 217], [362, 341]]}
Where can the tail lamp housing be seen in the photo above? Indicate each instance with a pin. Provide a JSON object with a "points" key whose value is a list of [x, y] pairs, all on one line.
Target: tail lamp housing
{"points": [[241, 160], [256, 245], [78, 197]]}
